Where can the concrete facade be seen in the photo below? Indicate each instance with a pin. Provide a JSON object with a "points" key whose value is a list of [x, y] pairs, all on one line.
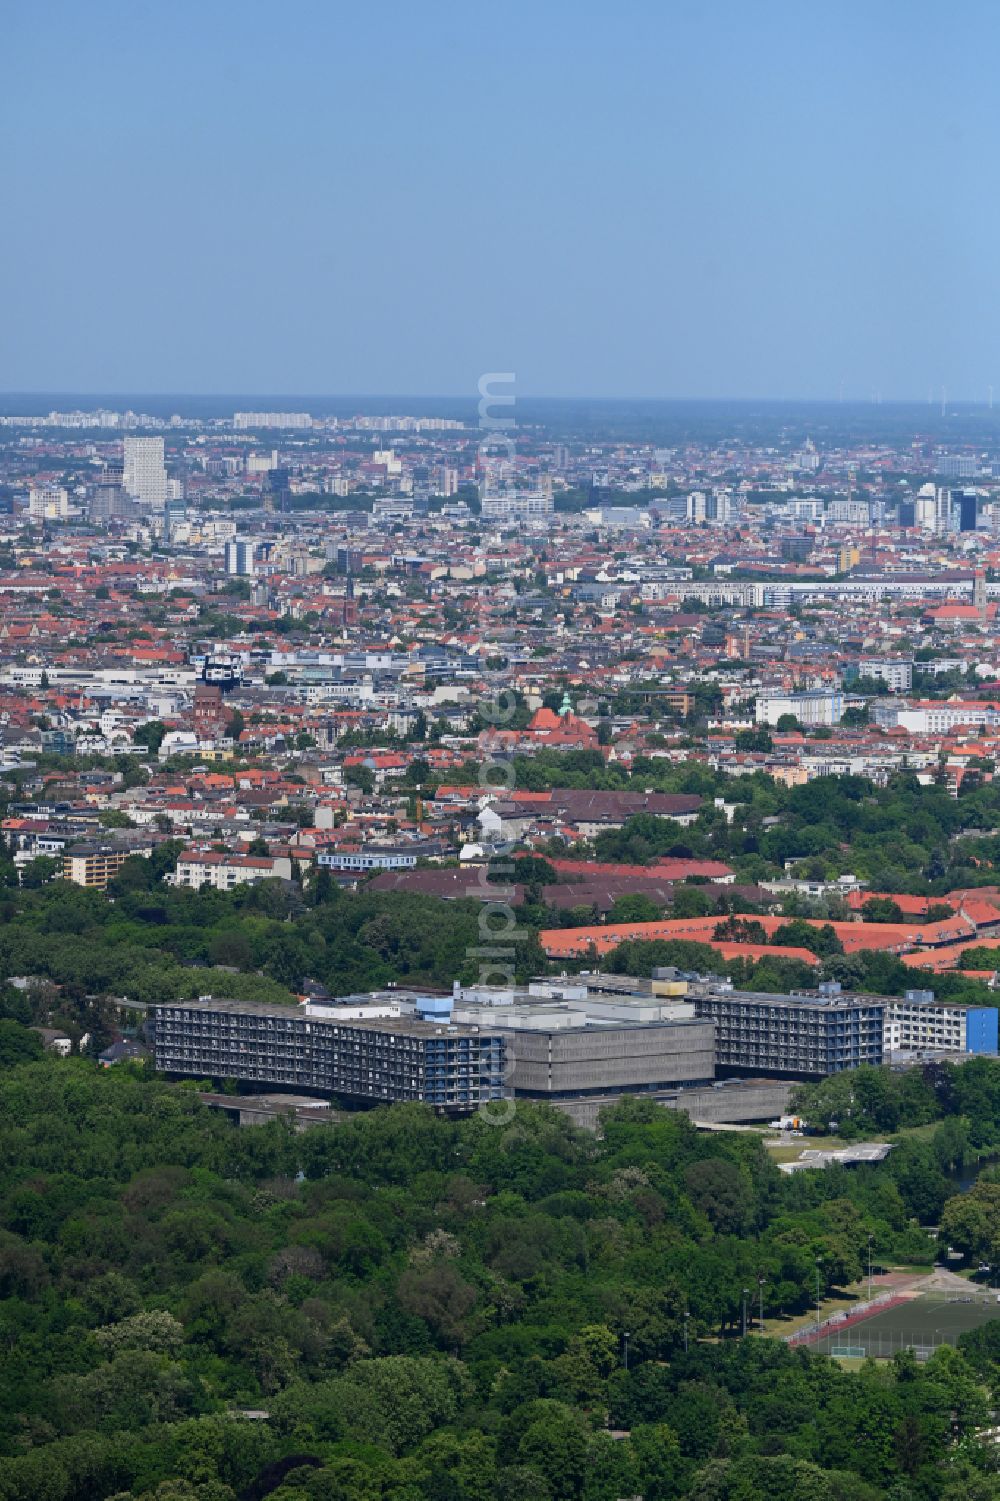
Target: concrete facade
{"points": [[606, 1059], [736, 1101]]}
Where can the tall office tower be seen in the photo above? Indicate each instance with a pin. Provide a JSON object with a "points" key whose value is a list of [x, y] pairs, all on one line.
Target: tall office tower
{"points": [[109, 501], [925, 508], [720, 507], [965, 510], [942, 511], [239, 557], [276, 490], [145, 477], [174, 512]]}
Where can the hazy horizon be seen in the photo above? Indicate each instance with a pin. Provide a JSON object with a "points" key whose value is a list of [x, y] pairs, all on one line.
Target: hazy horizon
{"points": [[286, 399]]}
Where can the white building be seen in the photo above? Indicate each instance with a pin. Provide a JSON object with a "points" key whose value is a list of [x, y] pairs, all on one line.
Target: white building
{"points": [[853, 512], [897, 675], [933, 716], [242, 421], [223, 872], [262, 463], [942, 511], [178, 743], [517, 507], [721, 507], [371, 858], [809, 708], [807, 508], [920, 1024], [48, 503], [145, 477]]}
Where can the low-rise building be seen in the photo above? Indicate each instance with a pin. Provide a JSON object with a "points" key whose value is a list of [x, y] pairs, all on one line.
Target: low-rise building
{"points": [[97, 864], [812, 709], [372, 857], [919, 1023], [517, 506], [894, 672], [222, 871]]}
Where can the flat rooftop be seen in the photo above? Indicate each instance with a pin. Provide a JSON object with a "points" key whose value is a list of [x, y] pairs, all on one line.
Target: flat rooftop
{"points": [[543, 1015], [802, 1002], [402, 1025]]}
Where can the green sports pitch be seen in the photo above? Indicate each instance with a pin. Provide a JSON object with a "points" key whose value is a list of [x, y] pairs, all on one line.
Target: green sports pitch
{"points": [[920, 1323]]}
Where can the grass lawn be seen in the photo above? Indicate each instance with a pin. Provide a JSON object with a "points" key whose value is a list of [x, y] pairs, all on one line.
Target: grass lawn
{"points": [[788, 1148]]}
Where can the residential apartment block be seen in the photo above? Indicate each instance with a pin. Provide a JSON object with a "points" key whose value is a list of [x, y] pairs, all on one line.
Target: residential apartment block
{"points": [[222, 872], [518, 506], [374, 857], [145, 477], [808, 708], [934, 716], [97, 864], [897, 674]]}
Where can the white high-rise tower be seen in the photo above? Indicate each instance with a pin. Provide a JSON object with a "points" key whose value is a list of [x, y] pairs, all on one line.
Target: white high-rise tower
{"points": [[145, 478]]}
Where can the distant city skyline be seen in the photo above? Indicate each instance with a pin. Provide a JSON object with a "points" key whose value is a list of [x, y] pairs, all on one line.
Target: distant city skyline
{"points": [[723, 202], [33, 398]]}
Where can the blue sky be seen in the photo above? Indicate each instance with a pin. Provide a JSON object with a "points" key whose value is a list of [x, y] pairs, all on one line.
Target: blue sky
{"points": [[655, 198]]}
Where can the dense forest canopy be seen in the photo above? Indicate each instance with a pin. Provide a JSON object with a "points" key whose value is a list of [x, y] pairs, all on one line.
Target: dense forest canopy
{"points": [[426, 1308]]}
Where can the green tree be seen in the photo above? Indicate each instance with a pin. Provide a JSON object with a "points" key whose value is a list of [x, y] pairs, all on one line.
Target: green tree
{"points": [[883, 909], [658, 1460], [690, 901], [37, 872], [360, 776], [17, 1044], [115, 818], [971, 1221], [635, 907], [556, 1446], [150, 735]]}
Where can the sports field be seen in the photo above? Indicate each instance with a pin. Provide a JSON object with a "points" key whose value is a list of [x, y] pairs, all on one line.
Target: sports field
{"points": [[923, 1323]]}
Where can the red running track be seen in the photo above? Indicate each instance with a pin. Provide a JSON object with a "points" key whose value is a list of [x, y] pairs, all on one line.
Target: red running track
{"points": [[811, 1336]]}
